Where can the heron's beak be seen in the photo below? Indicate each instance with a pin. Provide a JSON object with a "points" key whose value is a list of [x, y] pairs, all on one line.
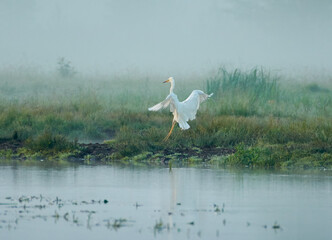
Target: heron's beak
{"points": [[166, 81]]}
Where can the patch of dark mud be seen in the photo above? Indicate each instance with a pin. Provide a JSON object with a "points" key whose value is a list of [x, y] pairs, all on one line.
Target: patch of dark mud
{"points": [[94, 151], [10, 144]]}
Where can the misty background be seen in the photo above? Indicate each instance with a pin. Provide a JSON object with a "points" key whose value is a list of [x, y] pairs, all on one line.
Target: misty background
{"points": [[166, 37]]}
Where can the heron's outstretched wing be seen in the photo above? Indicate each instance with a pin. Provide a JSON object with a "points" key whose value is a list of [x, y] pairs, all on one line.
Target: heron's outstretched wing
{"points": [[190, 106], [170, 100]]}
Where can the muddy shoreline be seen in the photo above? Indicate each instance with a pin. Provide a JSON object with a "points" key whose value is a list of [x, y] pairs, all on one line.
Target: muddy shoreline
{"points": [[101, 152]]}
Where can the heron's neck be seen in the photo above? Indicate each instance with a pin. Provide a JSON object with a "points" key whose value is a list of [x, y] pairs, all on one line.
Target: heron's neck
{"points": [[172, 87]]}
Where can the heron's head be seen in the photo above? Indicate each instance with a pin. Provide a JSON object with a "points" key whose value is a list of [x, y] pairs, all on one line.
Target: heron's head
{"points": [[170, 79]]}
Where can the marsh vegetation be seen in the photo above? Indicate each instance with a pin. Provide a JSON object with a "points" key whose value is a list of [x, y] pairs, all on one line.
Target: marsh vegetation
{"points": [[271, 120]]}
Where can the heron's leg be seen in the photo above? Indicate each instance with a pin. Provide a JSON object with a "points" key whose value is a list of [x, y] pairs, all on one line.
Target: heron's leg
{"points": [[170, 132]]}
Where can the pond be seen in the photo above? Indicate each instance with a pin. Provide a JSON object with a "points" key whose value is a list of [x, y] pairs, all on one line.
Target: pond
{"points": [[131, 202]]}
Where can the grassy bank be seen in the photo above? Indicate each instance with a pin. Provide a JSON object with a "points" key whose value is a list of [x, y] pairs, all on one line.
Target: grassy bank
{"points": [[270, 120]]}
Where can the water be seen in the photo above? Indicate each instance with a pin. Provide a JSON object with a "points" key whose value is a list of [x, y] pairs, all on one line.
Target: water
{"points": [[153, 203]]}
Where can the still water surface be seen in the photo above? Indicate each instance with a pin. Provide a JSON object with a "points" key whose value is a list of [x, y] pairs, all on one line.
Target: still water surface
{"points": [[153, 203]]}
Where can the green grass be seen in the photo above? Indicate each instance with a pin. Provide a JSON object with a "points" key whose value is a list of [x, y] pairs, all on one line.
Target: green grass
{"points": [[271, 123]]}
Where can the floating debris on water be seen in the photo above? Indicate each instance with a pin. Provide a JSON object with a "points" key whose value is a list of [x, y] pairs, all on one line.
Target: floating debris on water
{"points": [[159, 226], [24, 199], [276, 226], [66, 216], [119, 223], [138, 205], [75, 219], [27, 208], [217, 208]]}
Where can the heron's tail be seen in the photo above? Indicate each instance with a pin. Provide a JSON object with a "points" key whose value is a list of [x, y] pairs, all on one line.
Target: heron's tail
{"points": [[183, 125]]}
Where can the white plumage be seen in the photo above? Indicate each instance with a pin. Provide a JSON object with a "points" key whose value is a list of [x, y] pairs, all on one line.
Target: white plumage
{"points": [[182, 111]]}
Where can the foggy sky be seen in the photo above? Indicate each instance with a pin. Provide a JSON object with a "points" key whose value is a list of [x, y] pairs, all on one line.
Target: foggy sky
{"points": [[166, 36]]}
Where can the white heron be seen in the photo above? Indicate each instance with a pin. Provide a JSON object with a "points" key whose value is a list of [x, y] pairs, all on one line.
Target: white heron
{"points": [[182, 111]]}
